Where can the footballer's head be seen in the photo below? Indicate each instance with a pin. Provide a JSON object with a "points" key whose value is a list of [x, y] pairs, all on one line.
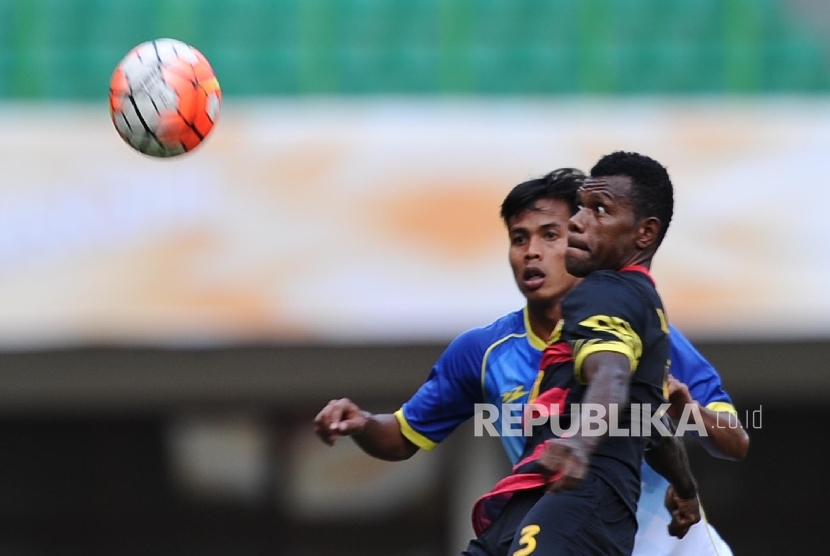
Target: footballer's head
{"points": [[624, 210], [536, 213]]}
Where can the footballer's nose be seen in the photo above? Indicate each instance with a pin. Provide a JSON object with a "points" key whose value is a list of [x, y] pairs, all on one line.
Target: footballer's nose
{"points": [[575, 224], [533, 248]]}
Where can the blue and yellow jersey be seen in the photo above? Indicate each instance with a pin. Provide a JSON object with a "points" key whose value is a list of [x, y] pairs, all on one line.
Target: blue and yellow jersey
{"points": [[495, 364], [689, 367], [499, 363]]}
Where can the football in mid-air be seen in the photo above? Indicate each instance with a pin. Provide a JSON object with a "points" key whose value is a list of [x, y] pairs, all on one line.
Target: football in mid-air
{"points": [[164, 98]]}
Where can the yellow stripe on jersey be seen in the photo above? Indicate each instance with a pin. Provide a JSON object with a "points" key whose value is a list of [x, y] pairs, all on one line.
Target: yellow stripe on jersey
{"points": [[412, 435], [534, 392], [487, 354], [534, 340], [618, 327], [722, 406], [629, 343], [664, 324], [595, 347]]}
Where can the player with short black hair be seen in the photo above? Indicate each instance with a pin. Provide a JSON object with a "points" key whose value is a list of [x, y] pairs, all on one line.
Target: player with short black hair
{"points": [[561, 184], [498, 364], [651, 192], [611, 350]]}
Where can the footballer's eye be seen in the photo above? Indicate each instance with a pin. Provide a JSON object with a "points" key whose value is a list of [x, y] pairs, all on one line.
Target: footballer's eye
{"points": [[579, 206], [518, 240], [550, 234], [601, 209]]}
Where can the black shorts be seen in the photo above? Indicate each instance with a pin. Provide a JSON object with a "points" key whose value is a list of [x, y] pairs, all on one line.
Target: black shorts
{"points": [[590, 519], [496, 540]]}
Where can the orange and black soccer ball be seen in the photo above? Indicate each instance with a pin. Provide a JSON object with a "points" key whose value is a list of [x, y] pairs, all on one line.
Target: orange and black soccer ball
{"points": [[164, 98]]}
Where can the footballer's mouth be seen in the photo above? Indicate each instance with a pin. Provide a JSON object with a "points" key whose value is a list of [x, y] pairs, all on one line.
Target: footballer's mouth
{"points": [[575, 243], [533, 278]]}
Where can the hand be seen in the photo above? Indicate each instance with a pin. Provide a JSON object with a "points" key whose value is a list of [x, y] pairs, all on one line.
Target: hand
{"points": [[679, 397], [339, 418], [685, 512], [565, 462]]}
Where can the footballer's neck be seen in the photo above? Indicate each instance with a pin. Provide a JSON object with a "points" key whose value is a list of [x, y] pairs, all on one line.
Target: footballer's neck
{"points": [[543, 317]]}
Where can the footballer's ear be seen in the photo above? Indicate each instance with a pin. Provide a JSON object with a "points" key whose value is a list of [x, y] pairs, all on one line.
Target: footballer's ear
{"points": [[648, 232]]}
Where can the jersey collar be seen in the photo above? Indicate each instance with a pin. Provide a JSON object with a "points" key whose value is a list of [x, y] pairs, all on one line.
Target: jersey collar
{"points": [[639, 268], [532, 338]]}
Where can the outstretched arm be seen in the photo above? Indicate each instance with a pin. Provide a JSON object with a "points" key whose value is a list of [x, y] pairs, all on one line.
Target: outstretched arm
{"points": [[378, 435]]}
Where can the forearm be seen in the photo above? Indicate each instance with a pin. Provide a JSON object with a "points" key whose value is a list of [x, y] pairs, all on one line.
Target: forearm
{"points": [[668, 457], [381, 438], [608, 388], [725, 437]]}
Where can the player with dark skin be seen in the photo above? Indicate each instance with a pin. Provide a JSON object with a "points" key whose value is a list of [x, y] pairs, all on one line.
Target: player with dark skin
{"points": [[603, 235], [537, 257], [608, 234], [536, 251]]}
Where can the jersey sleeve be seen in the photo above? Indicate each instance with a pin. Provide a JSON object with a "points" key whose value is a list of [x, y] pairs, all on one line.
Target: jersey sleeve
{"points": [[448, 396], [691, 368], [604, 314]]}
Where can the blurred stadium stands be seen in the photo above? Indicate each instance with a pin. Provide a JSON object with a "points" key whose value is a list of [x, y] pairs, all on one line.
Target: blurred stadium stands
{"points": [[154, 447], [64, 49]]}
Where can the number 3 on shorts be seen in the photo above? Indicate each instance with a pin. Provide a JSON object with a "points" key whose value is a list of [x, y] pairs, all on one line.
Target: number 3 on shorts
{"points": [[527, 540]]}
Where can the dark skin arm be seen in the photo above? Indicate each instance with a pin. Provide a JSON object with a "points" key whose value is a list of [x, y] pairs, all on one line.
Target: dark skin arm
{"points": [[667, 456], [607, 374], [726, 437], [608, 380], [378, 435]]}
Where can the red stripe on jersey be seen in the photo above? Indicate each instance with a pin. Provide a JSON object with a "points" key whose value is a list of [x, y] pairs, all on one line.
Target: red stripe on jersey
{"points": [[560, 352], [488, 507], [550, 402], [537, 451], [639, 268]]}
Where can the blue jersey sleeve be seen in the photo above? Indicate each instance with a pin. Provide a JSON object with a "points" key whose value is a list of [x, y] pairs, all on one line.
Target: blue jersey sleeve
{"points": [[691, 368], [448, 396]]}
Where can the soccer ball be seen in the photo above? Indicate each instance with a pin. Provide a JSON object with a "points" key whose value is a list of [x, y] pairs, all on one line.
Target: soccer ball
{"points": [[164, 98]]}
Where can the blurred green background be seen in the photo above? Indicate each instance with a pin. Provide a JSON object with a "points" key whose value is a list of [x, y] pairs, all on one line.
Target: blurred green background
{"points": [[66, 49]]}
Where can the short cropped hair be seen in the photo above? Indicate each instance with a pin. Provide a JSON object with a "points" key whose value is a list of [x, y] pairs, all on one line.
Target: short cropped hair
{"points": [[561, 185], [652, 193]]}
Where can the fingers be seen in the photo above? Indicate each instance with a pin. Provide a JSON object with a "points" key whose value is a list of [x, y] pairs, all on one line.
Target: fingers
{"points": [[552, 459], [681, 523], [563, 465], [336, 419], [684, 512], [673, 385], [671, 499], [348, 424], [323, 422], [677, 530], [679, 397], [678, 389]]}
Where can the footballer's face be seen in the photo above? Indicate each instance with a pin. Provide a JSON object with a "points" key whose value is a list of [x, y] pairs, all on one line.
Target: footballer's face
{"points": [[538, 241], [603, 234]]}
